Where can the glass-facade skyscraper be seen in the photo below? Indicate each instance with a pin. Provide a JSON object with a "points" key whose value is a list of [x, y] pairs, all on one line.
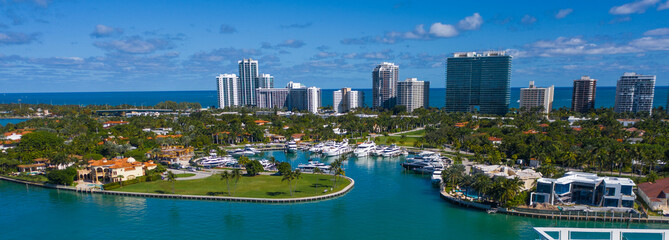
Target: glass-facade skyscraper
{"points": [[248, 78], [478, 82]]}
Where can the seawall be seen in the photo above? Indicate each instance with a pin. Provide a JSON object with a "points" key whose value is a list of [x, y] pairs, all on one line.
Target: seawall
{"points": [[193, 197]]}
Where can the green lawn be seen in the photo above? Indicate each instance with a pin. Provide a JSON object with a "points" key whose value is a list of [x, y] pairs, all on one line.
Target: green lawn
{"points": [[408, 141], [30, 178], [415, 133], [261, 186], [182, 175]]}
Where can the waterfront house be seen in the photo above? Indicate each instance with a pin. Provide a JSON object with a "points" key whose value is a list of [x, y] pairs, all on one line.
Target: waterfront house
{"points": [[114, 170], [297, 137], [656, 194], [585, 189], [35, 168], [176, 155], [528, 176]]}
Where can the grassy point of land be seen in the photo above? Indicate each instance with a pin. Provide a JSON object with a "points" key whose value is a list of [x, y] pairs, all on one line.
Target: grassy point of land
{"points": [[408, 141], [261, 186], [183, 175]]}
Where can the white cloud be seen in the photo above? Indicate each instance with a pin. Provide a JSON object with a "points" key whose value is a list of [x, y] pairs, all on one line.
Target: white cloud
{"points": [[639, 6], [292, 43], [663, 6], [135, 45], [472, 22], [651, 43], [417, 33], [437, 30], [566, 46], [563, 13], [443, 30], [657, 32], [528, 19], [105, 31], [17, 38]]}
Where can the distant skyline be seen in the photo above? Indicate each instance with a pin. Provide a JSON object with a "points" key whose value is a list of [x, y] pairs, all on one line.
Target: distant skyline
{"points": [[90, 46]]}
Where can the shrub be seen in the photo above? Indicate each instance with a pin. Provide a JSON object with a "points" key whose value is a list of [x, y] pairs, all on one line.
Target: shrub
{"points": [[253, 168], [62, 177], [283, 168]]}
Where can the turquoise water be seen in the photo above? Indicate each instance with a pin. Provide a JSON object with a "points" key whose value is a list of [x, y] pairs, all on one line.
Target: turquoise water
{"points": [[385, 204], [605, 97], [4, 122]]}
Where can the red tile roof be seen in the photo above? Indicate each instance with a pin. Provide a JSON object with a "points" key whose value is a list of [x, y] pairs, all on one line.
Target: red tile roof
{"points": [[655, 190]]}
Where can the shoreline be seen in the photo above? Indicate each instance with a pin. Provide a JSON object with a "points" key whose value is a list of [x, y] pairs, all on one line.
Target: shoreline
{"points": [[193, 197], [548, 214]]}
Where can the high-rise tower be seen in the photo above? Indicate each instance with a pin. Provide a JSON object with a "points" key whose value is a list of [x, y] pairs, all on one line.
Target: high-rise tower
{"points": [[227, 90], [478, 82], [413, 94], [533, 97], [384, 83], [248, 78], [635, 93], [583, 96]]}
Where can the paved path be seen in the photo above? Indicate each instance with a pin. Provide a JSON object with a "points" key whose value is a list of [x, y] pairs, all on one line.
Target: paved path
{"points": [[198, 175], [412, 130]]}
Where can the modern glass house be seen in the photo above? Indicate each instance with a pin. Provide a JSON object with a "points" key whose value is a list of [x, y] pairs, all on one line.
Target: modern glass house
{"points": [[478, 82], [585, 189]]}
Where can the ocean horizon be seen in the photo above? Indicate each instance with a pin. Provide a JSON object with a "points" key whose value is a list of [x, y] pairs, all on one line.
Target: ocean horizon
{"points": [[207, 98]]}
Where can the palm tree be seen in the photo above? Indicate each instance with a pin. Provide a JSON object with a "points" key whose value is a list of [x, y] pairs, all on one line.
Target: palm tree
{"points": [[171, 177], [334, 166], [482, 184], [236, 175], [318, 171], [297, 174], [338, 171], [507, 189], [289, 176], [453, 174], [225, 175]]}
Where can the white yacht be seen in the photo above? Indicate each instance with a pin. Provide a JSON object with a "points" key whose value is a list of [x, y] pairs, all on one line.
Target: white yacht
{"points": [[267, 165], [436, 177], [364, 149], [378, 151], [312, 164], [424, 162], [316, 148], [291, 146], [216, 161], [337, 149], [247, 151], [392, 151]]}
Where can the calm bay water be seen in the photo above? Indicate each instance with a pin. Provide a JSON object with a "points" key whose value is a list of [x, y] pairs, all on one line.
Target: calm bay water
{"points": [[605, 97], [5, 121], [385, 204]]}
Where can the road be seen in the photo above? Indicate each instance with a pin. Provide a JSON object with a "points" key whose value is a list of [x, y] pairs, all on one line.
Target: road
{"points": [[198, 174], [412, 130]]}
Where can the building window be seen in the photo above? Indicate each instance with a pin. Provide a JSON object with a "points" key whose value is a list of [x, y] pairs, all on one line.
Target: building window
{"points": [[610, 191], [628, 203], [611, 203]]}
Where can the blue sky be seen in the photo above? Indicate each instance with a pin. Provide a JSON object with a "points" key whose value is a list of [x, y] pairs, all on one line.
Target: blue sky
{"points": [[61, 46]]}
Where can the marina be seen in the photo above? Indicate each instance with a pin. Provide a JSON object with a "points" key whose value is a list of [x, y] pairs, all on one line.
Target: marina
{"points": [[373, 209]]}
